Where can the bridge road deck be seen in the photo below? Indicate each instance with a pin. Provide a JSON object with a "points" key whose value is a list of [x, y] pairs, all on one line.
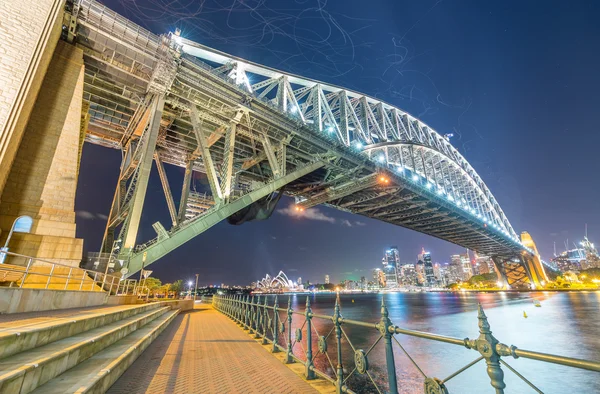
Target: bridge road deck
{"points": [[202, 351]]}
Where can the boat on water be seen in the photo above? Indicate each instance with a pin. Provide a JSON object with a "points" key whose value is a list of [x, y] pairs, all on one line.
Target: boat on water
{"points": [[536, 303], [525, 314]]}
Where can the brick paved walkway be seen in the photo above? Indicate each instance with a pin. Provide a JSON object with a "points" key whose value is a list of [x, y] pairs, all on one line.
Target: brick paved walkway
{"points": [[202, 351]]}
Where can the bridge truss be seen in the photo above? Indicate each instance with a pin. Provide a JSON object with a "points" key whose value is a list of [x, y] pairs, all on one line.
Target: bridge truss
{"points": [[254, 131]]}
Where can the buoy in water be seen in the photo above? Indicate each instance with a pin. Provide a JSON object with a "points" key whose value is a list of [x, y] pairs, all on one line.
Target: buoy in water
{"points": [[524, 315]]}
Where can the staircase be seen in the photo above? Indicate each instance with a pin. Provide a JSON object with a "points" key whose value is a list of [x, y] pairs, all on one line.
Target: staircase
{"points": [[79, 351]]}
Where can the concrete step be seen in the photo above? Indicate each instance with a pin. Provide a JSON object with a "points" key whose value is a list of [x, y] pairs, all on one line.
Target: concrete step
{"points": [[25, 371], [19, 335], [98, 373]]}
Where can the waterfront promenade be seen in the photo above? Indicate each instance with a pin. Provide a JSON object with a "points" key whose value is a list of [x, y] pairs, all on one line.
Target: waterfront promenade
{"points": [[203, 351]]}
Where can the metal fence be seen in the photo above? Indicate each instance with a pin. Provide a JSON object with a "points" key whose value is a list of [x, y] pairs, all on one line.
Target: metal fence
{"points": [[264, 321], [43, 274]]}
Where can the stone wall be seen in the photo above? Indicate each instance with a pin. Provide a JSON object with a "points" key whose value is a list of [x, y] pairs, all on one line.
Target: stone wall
{"points": [[29, 31], [43, 179], [15, 300]]}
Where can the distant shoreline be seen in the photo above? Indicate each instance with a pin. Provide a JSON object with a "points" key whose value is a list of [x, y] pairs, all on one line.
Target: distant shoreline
{"points": [[433, 291]]}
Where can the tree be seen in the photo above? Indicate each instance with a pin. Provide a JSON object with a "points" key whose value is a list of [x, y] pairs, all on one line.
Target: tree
{"points": [[152, 284], [165, 289], [177, 287]]}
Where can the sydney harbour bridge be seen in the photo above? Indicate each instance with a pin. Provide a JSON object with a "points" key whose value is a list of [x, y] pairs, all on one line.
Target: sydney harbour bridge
{"points": [[258, 133]]}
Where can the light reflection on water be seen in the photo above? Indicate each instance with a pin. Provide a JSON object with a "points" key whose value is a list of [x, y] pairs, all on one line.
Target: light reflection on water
{"points": [[566, 324]]}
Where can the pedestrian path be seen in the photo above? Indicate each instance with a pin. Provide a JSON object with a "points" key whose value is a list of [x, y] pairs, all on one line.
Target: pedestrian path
{"points": [[203, 351]]}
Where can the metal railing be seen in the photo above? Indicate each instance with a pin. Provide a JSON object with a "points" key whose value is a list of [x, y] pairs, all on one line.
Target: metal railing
{"points": [[54, 274], [264, 321]]}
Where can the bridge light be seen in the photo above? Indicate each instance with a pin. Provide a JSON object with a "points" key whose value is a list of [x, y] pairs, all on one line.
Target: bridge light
{"points": [[440, 191], [330, 129], [293, 109], [381, 159], [459, 203], [415, 177], [359, 145], [400, 169], [429, 185]]}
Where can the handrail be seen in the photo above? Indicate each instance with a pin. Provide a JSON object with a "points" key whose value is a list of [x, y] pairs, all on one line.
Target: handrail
{"points": [[81, 280], [263, 320]]}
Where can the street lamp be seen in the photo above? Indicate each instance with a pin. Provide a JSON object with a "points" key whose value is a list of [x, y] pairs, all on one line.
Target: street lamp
{"points": [[190, 283], [196, 290]]}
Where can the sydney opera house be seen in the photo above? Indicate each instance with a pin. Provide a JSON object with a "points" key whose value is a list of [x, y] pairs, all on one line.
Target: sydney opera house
{"points": [[279, 283]]}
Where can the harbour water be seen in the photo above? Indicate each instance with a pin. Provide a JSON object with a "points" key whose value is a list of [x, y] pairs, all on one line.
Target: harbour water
{"points": [[566, 324]]}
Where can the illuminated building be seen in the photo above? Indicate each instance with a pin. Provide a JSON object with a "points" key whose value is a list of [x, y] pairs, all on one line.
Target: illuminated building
{"points": [[409, 275], [379, 277], [277, 283], [326, 279], [428, 275], [466, 266], [391, 262]]}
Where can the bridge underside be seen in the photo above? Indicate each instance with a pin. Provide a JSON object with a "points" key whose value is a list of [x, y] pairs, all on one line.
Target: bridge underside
{"points": [[164, 100]]}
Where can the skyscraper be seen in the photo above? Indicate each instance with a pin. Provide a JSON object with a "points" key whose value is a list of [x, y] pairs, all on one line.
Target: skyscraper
{"points": [[466, 266], [391, 262], [428, 276], [326, 279], [455, 270]]}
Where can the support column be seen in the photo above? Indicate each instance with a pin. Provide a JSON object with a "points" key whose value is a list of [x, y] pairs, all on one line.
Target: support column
{"points": [[43, 178], [185, 190], [227, 170], [132, 222], [209, 166], [166, 188]]}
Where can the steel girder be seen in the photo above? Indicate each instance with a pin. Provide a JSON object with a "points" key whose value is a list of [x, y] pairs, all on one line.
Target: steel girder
{"points": [[298, 118], [186, 231]]}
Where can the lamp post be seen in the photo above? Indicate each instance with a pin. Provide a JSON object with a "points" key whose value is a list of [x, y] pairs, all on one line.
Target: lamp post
{"points": [[196, 290], [190, 283]]}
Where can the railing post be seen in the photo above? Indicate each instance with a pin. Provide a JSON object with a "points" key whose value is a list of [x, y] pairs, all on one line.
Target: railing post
{"points": [[265, 323], [486, 346], [290, 351], [339, 383], [93, 281], [26, 272], [385, 327], [50, 276], [258, 319], [240, 314], [235, 309], [308, 373], [275, 325], [82, 280], [251, 316], [247, 313], [68, 278]]}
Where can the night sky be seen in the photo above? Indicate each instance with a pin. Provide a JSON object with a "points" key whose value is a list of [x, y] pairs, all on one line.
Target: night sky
{"points": [[517, 83]]}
